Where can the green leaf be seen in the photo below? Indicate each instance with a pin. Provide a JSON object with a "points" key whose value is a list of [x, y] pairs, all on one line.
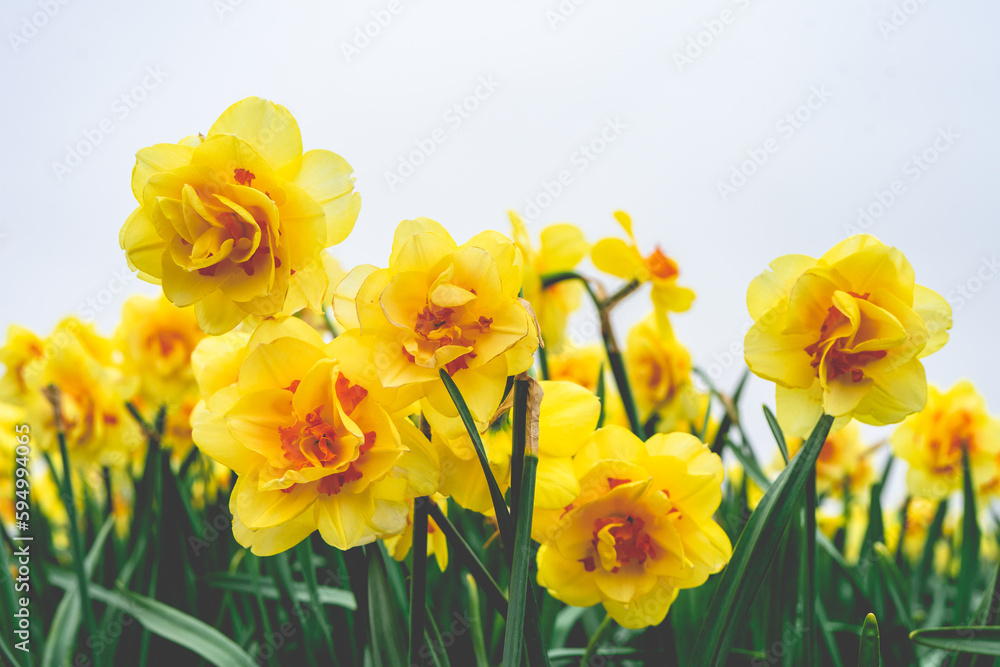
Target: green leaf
{"points": [[753, 554], [65, 626], [475, 621], [418, 577], [7, 652], [779, 435], [514, 635], [893, 579], [565, 620], [499, 506], [923, 570], [470, 561], [985, 615], [969, 572], [827, 630], [241, 583], [981, 640], [169, 623], [869, 653], [388, 629], [312, 586]]}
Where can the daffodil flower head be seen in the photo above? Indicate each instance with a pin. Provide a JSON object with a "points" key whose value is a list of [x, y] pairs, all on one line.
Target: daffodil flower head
{"points": [[562, 248], [313, 450], [844, 335], [640, 529], [932, 442], [623, 259], [443, 306], [234, 221]]}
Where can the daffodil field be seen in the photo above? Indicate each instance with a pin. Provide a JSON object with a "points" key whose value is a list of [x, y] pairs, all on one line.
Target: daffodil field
{"points": [[283, 460]]}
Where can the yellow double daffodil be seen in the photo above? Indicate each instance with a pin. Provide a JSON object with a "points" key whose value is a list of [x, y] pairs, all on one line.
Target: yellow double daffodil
{"points": [[233, 222], [442, 306], [932, 441], [640, 529], [312, 448], [844, 335]]}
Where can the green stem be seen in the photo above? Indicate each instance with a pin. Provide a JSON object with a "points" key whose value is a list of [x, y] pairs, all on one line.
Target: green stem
{"points": [[595, 640], [518, 438], [74, 528], [809, 597], [515, 638], [475, 621], [418, 577], [604, 307], [470, 561]]}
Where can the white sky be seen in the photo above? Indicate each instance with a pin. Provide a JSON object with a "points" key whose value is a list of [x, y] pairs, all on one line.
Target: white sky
{"points": [[888, 90]]}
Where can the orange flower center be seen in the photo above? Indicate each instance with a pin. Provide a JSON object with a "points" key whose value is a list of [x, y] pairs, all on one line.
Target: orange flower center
{"points": [[839, 362], [440, 326], [631, 544], [313, 442], [660, 265]]}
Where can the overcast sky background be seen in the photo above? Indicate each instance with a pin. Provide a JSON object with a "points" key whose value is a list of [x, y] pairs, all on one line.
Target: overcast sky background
{"points": [[684, 89]]}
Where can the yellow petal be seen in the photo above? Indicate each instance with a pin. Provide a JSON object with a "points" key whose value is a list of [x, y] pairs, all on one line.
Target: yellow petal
{"points": [[271, 541], [555, 484], [770, 287], [409, 228], [568, 416], [328, 179], [563, 246], [617, 258], [210, 432], [565, 579], [341, 519], [157, 158], [935, 311], [143, 246], [268, 127]]}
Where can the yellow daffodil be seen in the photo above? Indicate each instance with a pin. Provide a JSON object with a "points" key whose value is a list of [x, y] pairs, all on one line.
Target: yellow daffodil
{"points": [[562, 247], [844, 458], [442, 306], [156, 339], [844, 335], [399, 546], [92, 393], [641, 529], [622, 259], [659, 369], [567, 417], [932, 440], [581, 365], [234, 222], [22, 356], [312, 449]]}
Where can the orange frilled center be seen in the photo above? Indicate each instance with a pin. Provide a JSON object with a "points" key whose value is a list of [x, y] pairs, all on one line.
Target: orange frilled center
{"points": [[831, 351], [312, 442], [437, 326], [213, 231], [617, 542]]}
